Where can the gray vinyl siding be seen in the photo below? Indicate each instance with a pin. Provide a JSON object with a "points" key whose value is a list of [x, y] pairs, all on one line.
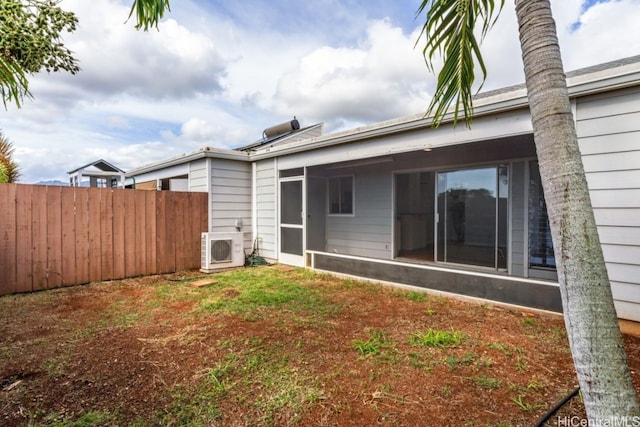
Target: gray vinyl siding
{"points": [[230, 196], [198, 176], [266, 208], [609, 135], [518, 219], [367, 233]]}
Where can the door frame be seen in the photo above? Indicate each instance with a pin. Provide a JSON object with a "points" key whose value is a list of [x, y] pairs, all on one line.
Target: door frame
{"points": [[283, 257]]}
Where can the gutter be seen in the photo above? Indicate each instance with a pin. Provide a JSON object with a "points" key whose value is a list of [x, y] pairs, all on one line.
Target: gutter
{"points": [[202, 153]]}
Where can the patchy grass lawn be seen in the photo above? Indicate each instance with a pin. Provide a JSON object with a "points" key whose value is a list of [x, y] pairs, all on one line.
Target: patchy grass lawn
{"points": [[270, 346]]}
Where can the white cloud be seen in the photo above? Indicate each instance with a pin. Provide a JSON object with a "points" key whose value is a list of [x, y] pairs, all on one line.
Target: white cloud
{"points": [[382, 78], [210, 77], [606, 31], [115, 58]]}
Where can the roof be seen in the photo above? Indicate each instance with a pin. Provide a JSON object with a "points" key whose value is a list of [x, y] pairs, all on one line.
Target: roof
{"points": [[586, 81], [241, 153], [102, 165], [607, 66], [270, 140], [591, 80]]}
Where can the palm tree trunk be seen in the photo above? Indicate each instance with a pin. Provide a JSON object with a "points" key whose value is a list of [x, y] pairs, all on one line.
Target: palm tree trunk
{"points": [[590, 316]]}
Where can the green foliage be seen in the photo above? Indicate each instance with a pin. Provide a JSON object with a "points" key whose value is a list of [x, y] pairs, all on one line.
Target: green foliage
{"points": [[417, 296], [373, 345], [436, 338], [31, 42], [250, 291], [9, 171], [90, 419], [485, 382], [453, 361], [449, 29], [149, 12], [4, 177]]}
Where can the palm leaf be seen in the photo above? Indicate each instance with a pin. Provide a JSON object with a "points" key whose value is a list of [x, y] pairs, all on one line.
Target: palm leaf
{"points": [[449, 32], [148, 12], [14, 84]]}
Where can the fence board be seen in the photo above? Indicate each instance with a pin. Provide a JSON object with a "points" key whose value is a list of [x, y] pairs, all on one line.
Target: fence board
{"points": [[179, 238], [130, 234], [8, 238], [140, 241], [95, 240], [81, 222], [150, 235], [68, 237], [24, 262], [39, 224], [62, 236], [106, 234], [170, 219], [161, 233], [119, 216], [54, 236]]}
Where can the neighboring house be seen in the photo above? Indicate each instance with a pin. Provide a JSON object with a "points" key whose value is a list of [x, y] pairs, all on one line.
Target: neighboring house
{"points": [[451, 209], [100, 174]]}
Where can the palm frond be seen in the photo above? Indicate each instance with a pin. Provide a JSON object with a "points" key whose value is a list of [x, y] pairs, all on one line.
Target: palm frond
{"points": [[14, 85], [449, 32], [148, 12]]}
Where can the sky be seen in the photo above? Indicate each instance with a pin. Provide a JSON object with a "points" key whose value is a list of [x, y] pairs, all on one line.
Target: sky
{"points": [[217, 73]]}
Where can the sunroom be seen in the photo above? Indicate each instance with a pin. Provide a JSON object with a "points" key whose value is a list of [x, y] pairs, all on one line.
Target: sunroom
{"points": [[455, 209]]}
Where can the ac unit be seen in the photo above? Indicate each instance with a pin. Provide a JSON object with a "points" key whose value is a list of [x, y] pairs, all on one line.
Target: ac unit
{"points": [[221, 250]]}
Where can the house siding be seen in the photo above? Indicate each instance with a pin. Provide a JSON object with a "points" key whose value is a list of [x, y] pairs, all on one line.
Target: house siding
{"points": [[518, 219], [266, 208], [198, 176], [608, 127], [230, 197], [367, 232]]}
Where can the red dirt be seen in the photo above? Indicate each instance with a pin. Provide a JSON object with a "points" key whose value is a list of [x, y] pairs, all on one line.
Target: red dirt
{"points": [[120, 348]]}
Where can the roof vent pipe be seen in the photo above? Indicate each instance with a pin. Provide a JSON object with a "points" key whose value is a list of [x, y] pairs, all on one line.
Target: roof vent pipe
{"points": [[282, 128]]}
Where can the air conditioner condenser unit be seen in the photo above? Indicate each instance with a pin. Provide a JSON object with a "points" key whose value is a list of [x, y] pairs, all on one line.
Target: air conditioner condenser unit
{"points": [[221, 250]]}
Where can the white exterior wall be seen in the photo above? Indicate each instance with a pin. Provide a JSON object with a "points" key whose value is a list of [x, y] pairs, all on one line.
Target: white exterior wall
{"points": [[198, 176], [368, 231], [266, 208], [230, 197], [608, 127]]}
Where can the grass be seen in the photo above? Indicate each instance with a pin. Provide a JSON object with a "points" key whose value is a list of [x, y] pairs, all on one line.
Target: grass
{"points": [[485, 382], [376, 342], [436, 338], [239, 293], [274, 346], [90, 419]]}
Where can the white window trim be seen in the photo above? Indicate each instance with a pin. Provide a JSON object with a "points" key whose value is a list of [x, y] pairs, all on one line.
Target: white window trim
{"points": [[353, 196]]}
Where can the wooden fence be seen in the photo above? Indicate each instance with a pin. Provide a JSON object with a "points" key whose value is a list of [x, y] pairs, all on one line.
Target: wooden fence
{"points": [[52, 236]]}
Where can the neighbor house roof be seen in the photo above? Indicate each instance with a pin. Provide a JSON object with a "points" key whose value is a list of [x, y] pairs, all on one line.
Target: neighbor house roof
{"points": [[101, 164]]}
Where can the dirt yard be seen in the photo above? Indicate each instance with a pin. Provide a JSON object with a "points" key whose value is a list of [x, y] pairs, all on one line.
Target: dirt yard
{"points": [[272, 346]]}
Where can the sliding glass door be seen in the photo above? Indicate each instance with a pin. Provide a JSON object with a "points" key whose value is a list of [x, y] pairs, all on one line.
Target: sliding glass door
{"points": [[472, 211]]}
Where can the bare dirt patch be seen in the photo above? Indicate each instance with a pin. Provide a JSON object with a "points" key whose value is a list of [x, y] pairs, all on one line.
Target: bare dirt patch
{"points": [[270, 346]]}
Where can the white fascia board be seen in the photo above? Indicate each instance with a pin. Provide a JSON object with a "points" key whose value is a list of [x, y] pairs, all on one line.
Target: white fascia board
{"points": [[205, 152], [506, 124], [162, 173]]}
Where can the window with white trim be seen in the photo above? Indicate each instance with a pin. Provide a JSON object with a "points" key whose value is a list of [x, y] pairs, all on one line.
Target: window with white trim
{"points": [[341, 195]]}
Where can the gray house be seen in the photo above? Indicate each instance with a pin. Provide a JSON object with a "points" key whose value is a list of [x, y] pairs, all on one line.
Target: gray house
{"points": [[450, 209]]}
